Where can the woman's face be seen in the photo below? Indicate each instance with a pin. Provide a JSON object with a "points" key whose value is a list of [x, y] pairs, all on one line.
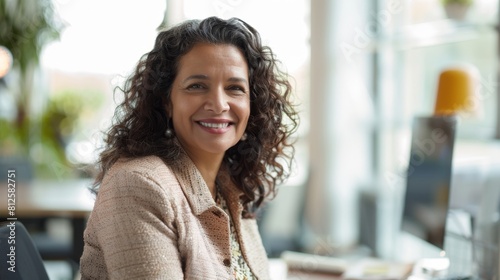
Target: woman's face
{"points": [[210, 99]]}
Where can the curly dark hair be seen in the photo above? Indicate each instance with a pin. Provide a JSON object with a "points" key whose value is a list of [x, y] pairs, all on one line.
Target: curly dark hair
{"points": [[257, 164]]}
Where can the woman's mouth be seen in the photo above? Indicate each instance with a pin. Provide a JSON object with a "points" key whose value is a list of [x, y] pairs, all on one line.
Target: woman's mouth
{"points": [[214, 125]]}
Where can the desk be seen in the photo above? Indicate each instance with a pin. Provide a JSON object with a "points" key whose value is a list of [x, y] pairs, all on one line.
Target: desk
{"points": [[296, 274], [356, 269], [43, 199], [279, 271]]}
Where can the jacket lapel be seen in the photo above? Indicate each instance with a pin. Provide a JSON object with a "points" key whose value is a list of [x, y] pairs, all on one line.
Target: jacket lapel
{"points": [[192, 184], [200, 200], [248, 234]]}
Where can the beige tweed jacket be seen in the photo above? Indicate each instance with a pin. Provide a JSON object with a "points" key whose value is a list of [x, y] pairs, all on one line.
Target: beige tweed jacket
{"points": [[153, 221]]}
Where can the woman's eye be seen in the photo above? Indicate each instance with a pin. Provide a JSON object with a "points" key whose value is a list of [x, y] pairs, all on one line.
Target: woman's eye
{"points": [[195, 86], [237, 88]]}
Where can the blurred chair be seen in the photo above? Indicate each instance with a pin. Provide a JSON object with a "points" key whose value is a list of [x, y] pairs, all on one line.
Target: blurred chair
{"points": [[28, 263]]}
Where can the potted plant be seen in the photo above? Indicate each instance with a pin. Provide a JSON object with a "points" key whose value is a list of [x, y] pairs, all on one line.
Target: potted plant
{"points": [[457, 9], [26, 27]]}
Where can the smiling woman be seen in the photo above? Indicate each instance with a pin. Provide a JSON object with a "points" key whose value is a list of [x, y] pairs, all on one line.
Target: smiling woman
{"points": [[210, 104], [199, 142]]}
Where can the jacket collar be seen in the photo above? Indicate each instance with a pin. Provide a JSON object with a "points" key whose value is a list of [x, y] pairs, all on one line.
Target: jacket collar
{"points": [[200, 200], [196, 190]]}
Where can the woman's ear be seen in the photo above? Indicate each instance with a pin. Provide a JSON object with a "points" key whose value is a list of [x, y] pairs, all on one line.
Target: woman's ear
{"points": [[168, 109]]}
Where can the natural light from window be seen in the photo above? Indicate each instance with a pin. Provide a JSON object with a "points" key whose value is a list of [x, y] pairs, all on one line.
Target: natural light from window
{"points": [[106, 37]]}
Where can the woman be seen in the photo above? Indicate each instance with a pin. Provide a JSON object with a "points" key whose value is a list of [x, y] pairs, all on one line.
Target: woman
{"points": [[199, 142]]}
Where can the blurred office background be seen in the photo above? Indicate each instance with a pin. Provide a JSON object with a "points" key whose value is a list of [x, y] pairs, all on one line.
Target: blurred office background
{"points": [[362, 71]]}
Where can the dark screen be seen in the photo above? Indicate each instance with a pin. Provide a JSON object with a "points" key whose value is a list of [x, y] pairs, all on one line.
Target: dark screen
{"points": [[428, 178]]}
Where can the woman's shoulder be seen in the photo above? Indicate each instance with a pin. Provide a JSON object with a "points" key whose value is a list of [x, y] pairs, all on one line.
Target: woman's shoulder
{"points": [[145, 165], [146, 184], [149, 169]]}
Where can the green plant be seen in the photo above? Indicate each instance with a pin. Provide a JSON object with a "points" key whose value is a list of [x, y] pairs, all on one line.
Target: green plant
{"points": [[26, 26], [64, 114], [461, 2]]}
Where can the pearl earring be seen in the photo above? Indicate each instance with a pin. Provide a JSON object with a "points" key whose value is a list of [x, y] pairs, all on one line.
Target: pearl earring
{"points": [[169, 133], [244, 137]]}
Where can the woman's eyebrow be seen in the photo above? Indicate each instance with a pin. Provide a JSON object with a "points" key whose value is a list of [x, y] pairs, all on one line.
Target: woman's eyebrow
{"points": [[196, 77], [237, 79], [205, 77]]}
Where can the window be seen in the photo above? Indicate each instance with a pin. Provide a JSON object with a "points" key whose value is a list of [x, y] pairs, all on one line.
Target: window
{"points": [[412, 49]]}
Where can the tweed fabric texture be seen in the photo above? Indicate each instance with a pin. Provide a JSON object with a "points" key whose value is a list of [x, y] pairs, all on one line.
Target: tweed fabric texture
{"points": [[241, 271], [153, 221]]}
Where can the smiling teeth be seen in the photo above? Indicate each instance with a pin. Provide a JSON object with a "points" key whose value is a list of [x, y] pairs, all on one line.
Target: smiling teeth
{"points": [[214, 125]]}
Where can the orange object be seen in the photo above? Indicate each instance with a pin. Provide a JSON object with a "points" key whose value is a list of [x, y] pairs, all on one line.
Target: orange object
{"points": [[456, 91]]}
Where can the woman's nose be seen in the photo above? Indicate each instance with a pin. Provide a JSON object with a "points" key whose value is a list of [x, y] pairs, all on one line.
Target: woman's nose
{"points": [[217, 101]]}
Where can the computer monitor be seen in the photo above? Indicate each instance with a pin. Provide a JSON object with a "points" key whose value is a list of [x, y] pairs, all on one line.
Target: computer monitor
{"points": [[428, 178]]}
